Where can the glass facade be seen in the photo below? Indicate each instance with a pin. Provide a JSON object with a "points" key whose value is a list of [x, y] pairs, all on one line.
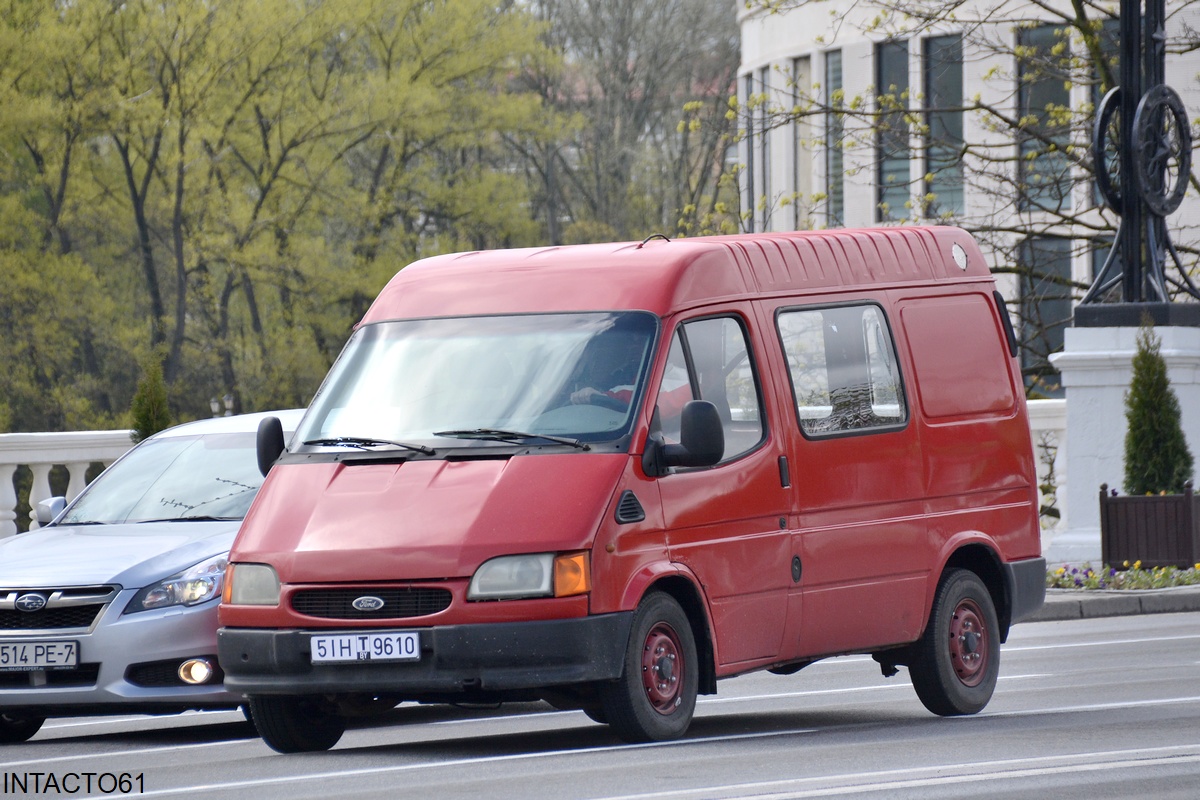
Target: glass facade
{"points": [[892, 179], [942, 73], [1046, 310], [835, 187], [1044, 171]]}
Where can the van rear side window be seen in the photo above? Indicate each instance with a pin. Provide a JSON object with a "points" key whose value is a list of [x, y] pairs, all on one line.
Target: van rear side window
{"points": [[843, 369]]}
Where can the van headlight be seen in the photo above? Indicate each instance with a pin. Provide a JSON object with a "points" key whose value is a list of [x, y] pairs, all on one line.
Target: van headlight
{"points": [[531, 575], [195, 585], [251, 585]]}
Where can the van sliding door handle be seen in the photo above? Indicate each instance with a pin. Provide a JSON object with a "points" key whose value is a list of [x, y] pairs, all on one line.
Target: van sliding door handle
{"points": [[785, 473]]}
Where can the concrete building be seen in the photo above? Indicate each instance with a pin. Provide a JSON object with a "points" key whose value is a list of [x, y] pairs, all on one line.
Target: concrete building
{"points": [[978, 114]]}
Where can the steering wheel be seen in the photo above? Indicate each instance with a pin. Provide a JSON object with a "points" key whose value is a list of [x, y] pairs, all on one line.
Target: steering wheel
{"points": [[604, 400]]}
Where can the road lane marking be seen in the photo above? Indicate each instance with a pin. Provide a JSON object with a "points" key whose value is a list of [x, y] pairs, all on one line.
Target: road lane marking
{"points": [[733, 737], [858, 783], [1102, 643]]}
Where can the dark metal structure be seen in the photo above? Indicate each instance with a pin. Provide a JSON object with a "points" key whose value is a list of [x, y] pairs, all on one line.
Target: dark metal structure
{"points": [[1142, 151]]}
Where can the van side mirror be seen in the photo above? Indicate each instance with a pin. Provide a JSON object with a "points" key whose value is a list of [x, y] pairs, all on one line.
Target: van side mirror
{"points": [[270, 443], [701, 441], [48, 510]]}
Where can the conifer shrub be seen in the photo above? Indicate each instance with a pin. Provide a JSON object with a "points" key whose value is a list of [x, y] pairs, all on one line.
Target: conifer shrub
{"points": [[1157, 459], [150, 411]]}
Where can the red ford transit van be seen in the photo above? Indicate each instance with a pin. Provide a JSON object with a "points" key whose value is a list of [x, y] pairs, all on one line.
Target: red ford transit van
{"points": [[610, 475]]}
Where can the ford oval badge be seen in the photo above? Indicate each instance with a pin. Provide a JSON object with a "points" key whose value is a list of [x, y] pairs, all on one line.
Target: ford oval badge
{"points": [[31, 602], [367, 603]]}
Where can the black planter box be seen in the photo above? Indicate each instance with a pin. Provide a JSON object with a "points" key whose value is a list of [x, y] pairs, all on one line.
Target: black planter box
{"points": [[1158, 530]]}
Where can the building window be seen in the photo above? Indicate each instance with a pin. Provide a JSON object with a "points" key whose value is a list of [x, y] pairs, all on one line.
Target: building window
{"points": [[751, 195], [892, 180], [764, 83], [1045, 266], [943, 84], [801, 148], [1043, 73], [835, 188]]}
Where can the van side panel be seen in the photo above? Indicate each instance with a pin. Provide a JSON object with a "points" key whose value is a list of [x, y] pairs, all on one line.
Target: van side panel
{"points": [[978, 459]]}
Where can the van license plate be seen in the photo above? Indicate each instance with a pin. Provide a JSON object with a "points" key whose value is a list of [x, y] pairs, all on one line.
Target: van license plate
{"points": [[347, 647], [29, 656]]}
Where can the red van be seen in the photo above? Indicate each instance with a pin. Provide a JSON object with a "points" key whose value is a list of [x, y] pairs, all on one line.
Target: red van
{"points": [[610, 475]]}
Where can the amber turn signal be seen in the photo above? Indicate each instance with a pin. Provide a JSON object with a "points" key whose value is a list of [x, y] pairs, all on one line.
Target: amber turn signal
{"points": [[572, 574]]}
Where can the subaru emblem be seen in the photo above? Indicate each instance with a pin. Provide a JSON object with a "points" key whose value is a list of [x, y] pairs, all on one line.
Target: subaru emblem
{"points": [[367, 603], [31, 602]]}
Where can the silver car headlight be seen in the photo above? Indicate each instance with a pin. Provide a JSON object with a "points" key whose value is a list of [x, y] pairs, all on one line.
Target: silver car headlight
{"points": [[193, 586]]}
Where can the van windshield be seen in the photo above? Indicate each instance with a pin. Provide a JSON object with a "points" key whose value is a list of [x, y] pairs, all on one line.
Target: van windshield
{"points": [[475, 381]]}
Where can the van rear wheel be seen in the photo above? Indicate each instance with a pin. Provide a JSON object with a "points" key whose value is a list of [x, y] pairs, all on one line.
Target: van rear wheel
{"points": [[296, 724], [16, 727], [655, 697], [956, 661]]}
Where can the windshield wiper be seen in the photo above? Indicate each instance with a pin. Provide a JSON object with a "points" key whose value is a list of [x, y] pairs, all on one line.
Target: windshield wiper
{"points": [[501, 435], [193, 518], [366, 443]]}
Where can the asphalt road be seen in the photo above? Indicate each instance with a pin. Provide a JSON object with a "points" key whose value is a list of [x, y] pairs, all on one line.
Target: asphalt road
{"points": [[1090, 708]]}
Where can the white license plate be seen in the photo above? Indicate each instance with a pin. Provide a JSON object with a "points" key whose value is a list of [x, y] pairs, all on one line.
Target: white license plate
{"points": [[368, 646], [28, 656]]}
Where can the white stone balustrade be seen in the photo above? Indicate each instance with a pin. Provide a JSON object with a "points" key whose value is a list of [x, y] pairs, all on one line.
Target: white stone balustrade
{"points": [[75, 450]]}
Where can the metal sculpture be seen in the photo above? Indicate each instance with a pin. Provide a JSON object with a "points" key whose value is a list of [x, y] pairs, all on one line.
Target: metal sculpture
{"points": [[1142, 152]]}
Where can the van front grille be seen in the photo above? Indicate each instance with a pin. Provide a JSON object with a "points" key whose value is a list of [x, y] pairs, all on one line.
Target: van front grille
{"points": [[398, 603]]}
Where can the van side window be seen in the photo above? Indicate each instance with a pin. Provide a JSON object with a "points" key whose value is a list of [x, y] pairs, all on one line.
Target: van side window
{"points": [[843, 369], [710, 360]]}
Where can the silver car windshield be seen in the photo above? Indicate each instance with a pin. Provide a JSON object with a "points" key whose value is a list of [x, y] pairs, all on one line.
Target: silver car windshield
{"points": [[212, 476], [459, 382]]}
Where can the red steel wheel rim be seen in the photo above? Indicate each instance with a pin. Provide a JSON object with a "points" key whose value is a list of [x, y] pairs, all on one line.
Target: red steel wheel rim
{"points": [[663, 668], [969, 643]]}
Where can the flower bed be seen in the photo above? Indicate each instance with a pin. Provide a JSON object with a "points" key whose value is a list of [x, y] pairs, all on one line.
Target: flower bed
{"points": [[1127, 576]]}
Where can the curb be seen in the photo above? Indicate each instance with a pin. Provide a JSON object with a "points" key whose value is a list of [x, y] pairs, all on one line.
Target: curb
{"points": [[1064, 604]]}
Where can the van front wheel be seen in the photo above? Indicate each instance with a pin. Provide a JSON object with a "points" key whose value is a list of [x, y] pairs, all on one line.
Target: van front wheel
{"points": [[955, 662], [655, 697], [296, 724]]}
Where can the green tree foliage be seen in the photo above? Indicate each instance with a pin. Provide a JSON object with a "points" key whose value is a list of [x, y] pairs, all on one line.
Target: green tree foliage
{"points": [[644, 90], [1157, 458], [230, 184], [149, 411]]}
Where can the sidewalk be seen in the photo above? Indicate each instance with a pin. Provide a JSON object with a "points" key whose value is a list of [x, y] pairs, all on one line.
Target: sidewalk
{"points": [[1086, 604]]}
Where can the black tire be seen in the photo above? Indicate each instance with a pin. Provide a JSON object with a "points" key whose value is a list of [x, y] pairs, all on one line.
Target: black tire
{"points": [[596, 714], [655, 697], [17, 727], [296, 724], [955, 662]]}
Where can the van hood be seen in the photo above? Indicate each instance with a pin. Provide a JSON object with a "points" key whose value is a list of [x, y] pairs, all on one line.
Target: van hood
{"points": [[321, 522], [131, 555]]}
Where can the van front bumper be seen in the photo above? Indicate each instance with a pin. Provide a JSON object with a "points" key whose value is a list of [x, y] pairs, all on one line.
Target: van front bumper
{"points": [[455, 659]]}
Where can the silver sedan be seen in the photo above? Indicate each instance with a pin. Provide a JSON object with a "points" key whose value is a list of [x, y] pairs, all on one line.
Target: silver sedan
{"points": [[112, 606]]}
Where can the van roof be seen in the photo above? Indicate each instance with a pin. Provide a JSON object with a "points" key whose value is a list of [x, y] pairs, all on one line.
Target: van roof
{"points": [[668, 276]]}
